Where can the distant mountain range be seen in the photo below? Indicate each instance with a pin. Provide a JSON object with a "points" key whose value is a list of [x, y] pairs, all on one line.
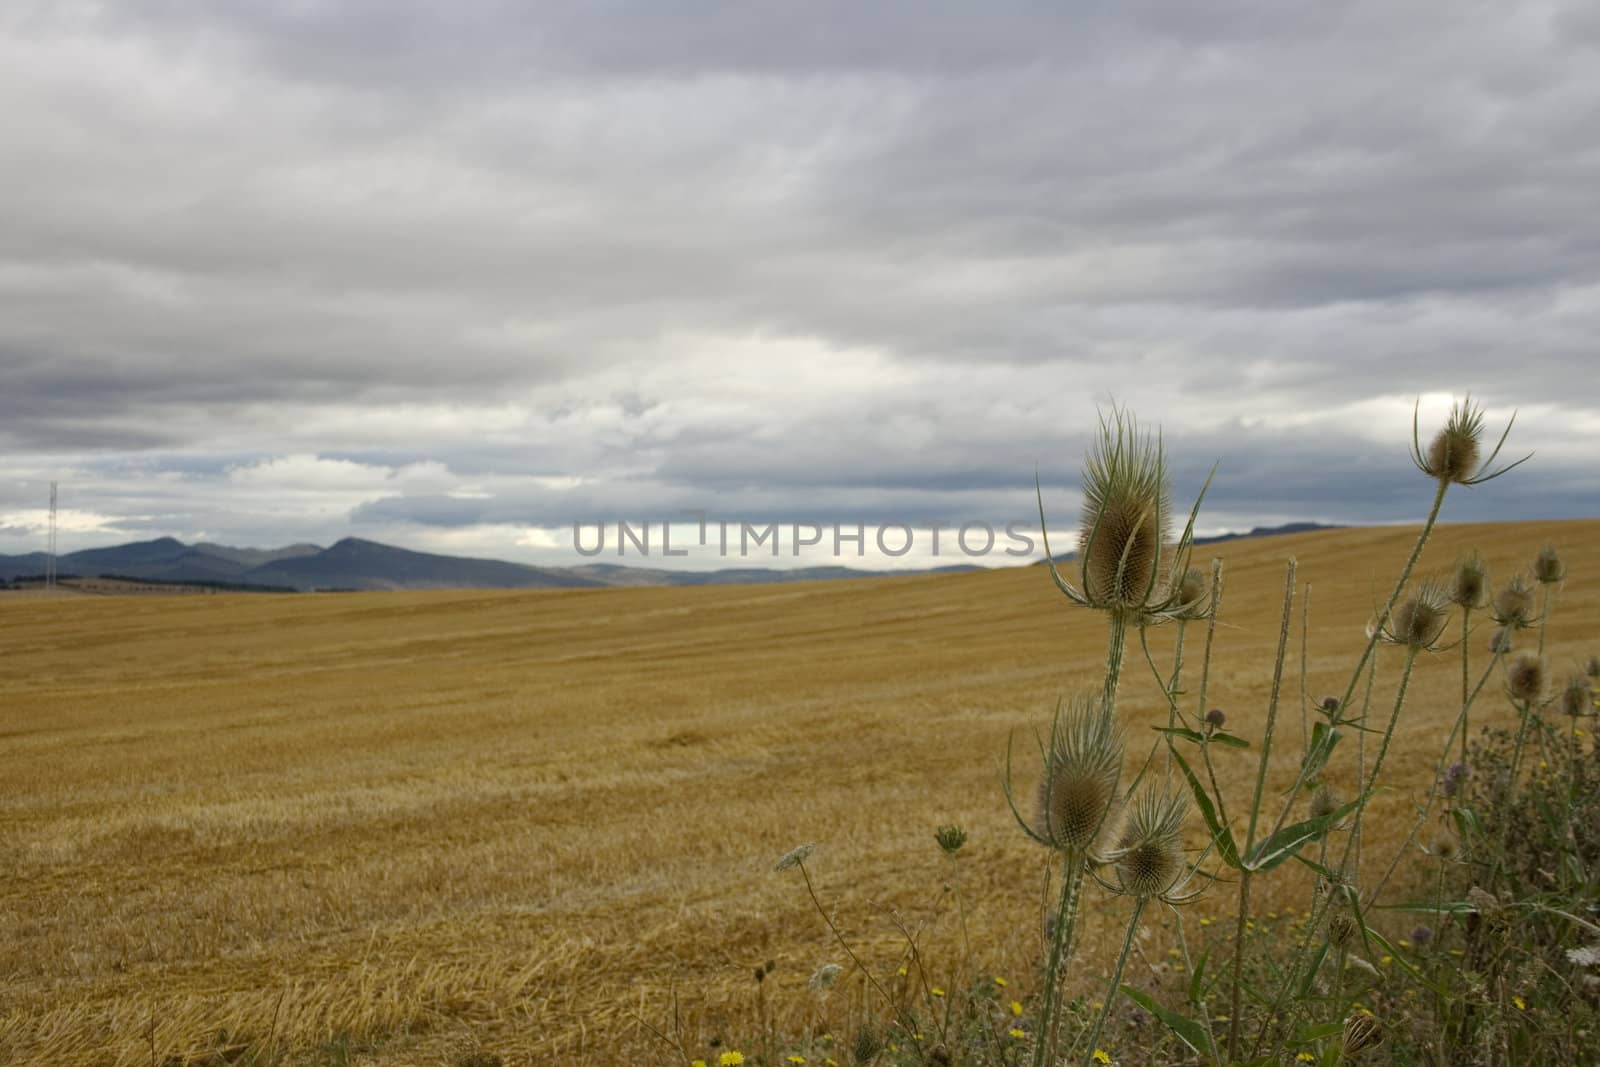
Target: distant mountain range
{"points": [[357, 564]]}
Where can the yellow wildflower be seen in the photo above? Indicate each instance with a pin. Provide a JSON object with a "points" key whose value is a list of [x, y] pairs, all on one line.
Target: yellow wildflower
{"points": [[1305, 1057], [730, 1059], [1521, 1004], [797, 1059], [1101, 1056], [1001, 982], [1016, 1007], [1018, 1033], [936, 991]]}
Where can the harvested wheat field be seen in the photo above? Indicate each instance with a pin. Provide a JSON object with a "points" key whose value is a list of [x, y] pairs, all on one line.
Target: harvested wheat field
{"points": [[392, 828]]}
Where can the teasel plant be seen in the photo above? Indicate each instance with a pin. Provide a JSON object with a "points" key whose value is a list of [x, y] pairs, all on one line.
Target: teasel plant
{"points": [[1128, 565], [1469, 591], [1075, 817]]}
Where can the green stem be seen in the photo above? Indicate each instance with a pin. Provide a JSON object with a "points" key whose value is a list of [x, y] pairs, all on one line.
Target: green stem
{"points": [[1272, 714], [1394, 597], [1060, 953], [1172, 690], [1114, 653], [1236, 1003], [1116, 979], [1466, 652], [1367, 783]]}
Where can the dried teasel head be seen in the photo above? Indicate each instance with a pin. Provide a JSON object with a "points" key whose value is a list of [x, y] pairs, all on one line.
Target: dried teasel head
{"points": [[1083, 763], [1469, 586], [1419, 620], [1547, 566], [1361, 1033], [1500, 640], [1150, 859], [1577, 696], [1127, 513], [1526, 677], [1445, 846], [1515, 606], [1453, 456]]}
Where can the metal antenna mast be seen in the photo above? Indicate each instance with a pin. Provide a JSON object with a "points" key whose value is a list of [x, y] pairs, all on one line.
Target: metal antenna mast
{"points": [[50, 559]]}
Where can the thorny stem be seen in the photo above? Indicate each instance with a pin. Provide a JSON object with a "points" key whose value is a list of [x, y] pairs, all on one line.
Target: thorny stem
{"points": [[1060, 950], [1172, 688], [1116, 977], [1305, 697], [1438, 778], [1236, 1004], [1367, 782], [1272, 714], [1114, 653], [1466, 653], [1211, 633], [1399, 587], [1354, 843], [1188, 966]]}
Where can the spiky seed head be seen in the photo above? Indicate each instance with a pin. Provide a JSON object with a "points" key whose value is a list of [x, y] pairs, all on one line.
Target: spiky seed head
{"points": [[1470, 588], [1341, 929], [1515, 605], [1126, 512], [1526, 677], [950, 838], [1547, 566], [1577, 697], [1420, 619], [1361, 1033], [1500, 640], [1330, 706], [1445, 846], [1216, 718], [1324, 802], [1453, 454], [1082, 766], [1151, 859]]}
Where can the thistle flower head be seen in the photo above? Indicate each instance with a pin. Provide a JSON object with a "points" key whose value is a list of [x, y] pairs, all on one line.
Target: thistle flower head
{"points": [[1083, 763], [1151, 848], [1577, 697], [1547, 566], [1421, 935], [1330, 706], [1361, 1032], [1454, 775], [1526, 677], [1126, 516], [1515, 606], [1216, 718], [1445, 846], [1453, 456], [1419, 620], [1470, 585]]}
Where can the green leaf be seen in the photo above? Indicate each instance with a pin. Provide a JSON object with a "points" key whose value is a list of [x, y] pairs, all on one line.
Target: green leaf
{"points": [[1222, 737], [1188, 1031], [1197, 978], [1467, 823], [1311, 976], [1221, 835], [1181, 731], [1441, 907], [1323, 740], [1286, 842]]}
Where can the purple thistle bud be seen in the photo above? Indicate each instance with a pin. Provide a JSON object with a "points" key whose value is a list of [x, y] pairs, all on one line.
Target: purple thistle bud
{"points": [[1421, 935], [1215, 717]]}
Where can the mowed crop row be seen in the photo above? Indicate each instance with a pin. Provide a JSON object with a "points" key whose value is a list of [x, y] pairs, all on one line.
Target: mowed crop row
{"points": [[532, 820]]}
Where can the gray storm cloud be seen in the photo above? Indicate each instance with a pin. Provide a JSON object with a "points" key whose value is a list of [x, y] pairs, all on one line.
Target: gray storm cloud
{"points": [[439, 272]]}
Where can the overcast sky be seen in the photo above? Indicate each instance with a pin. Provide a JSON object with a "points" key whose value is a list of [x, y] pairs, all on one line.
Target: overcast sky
{"points": [[454, 275]]}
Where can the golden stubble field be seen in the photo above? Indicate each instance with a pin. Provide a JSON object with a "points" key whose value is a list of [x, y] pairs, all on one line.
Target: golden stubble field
{"points": [[433, 820]]}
